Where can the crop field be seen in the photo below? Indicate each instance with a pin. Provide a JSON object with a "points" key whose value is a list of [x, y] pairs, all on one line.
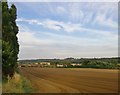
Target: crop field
{"points": [[71, 80]]}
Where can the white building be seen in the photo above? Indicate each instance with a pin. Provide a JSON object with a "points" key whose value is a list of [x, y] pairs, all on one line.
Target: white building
{"points": [[76, 64], [45, 63], [60, 65], [36, 63]]}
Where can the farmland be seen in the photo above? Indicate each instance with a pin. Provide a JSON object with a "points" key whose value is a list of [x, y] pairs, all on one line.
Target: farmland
{"points": [[71, 80]]}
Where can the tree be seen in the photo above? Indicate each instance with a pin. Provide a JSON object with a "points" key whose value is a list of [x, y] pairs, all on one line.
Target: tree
{"points": [[10, 46]]}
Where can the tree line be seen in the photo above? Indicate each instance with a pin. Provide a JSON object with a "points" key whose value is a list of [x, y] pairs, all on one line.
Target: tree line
{"points": [[102, 63]]}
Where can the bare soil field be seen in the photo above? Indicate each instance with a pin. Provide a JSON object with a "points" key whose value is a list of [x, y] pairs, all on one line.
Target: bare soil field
{"points": [[71, 80]]}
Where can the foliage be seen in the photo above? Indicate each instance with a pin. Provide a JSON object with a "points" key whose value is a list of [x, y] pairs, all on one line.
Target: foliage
{"points": [[19, 84], [102, 63], [10, 46]]}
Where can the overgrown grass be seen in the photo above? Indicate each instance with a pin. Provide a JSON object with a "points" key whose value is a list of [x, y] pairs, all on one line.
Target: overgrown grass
{"points": [[18, 84]]}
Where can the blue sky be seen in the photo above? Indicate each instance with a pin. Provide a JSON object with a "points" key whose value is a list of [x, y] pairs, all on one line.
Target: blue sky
{"points": [[60, 30]]}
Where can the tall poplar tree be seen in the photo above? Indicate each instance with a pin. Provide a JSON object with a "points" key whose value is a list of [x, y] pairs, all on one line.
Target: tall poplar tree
{"points": [[10, 46]]}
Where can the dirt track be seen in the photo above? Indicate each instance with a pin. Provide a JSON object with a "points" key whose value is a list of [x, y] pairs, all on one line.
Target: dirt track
{"points": [[59, 80]]}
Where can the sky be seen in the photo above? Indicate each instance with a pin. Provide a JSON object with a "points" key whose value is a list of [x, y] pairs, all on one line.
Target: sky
{"points": [[67, 29]]}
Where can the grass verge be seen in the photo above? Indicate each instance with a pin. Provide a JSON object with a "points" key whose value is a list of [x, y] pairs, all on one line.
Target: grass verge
{"points": [[18, 84]]}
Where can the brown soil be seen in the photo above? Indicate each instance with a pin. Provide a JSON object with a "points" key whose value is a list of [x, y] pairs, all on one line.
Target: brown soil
{"points": [[61, 80]]}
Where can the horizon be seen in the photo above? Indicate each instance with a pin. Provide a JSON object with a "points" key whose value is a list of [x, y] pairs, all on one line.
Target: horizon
{"points": [[71, 57], [64, 29]]}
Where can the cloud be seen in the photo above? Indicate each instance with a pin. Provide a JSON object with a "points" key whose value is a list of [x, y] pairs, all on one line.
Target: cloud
{"points": [[75, 13], [100, 14], [61, 46], [72, 47], [64, 52], [92, 36], [70, 27], [27, 38], [31, 21], [52, 24], [59, 25], [102, 20], [60, 10]]}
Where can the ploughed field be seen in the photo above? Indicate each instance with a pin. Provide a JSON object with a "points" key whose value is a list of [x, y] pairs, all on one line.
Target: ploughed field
{"points": [[71, 80]]}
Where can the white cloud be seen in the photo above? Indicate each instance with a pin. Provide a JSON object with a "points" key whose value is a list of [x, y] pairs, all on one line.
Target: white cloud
{"points": [[31, 21], [75, 13], [102, 20], [59, 25], [96, 43], [88, 18], [71, 27], [27, 38], [62, 46], [60, 10], [52, 24], [100, 14]]}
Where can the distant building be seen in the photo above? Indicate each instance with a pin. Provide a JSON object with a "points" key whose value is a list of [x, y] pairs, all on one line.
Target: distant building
{"points": [[75, 64], [60, 65], [45, 63], [36, 63], [29, 65], [40, 64]]}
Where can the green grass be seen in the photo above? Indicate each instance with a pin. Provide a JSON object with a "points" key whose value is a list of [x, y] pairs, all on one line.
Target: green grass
{"points": [[18, 84], [26, 86]]}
